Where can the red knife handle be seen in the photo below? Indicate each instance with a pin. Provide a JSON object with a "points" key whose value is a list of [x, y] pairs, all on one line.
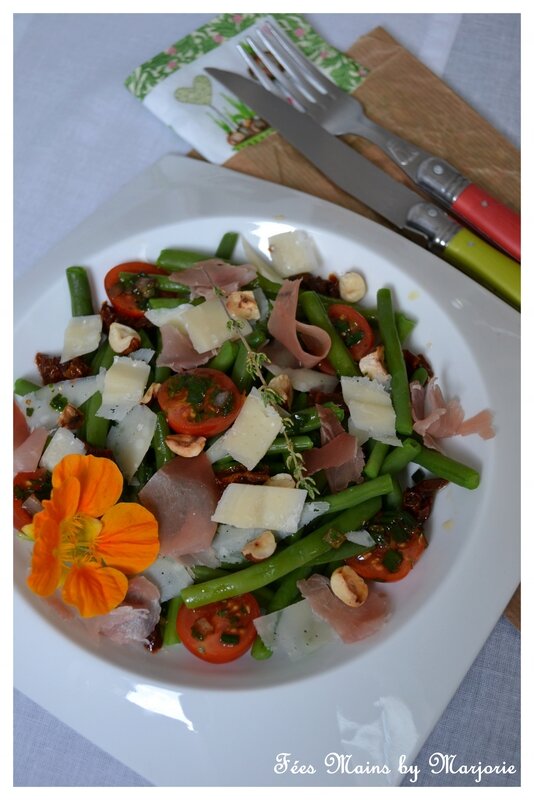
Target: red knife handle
{"points": [[491, 218]]}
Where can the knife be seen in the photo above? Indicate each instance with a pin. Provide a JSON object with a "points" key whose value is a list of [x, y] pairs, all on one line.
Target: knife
{"points": [[374, 188], [341, 113]]}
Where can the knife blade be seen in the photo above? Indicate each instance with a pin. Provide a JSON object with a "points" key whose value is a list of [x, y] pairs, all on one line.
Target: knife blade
{"points": [[374, 188], [343, 113]]}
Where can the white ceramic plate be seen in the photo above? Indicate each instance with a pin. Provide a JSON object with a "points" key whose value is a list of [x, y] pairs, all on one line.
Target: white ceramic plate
{"points": [[178, 721]]}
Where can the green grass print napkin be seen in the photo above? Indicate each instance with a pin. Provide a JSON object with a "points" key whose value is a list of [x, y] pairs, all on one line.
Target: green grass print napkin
{"points": [[175, 88]]}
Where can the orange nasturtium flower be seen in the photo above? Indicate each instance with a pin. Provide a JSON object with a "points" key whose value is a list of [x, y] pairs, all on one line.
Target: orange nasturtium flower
{"points": [[86, 543]]}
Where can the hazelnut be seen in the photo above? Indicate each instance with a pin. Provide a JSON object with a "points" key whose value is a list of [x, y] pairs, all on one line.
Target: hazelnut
{"points": [[242, 305], [150, 393], [260, 548], [348, 586], [123, 339], [282, 386], [372, 365], [183, 444], [283, 481], [352, 287], [71, 417]]}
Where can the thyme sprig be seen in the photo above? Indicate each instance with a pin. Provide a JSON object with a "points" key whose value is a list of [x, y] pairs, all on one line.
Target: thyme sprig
{"points": [[254, 363]]}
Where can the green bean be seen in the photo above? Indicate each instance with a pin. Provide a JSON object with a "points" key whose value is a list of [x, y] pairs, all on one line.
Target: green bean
{"points": [[308, 418], [103, 358], [224, 360], [146, 341], [300, 401], [240, 375], [160, 373], [346, 550], [263, 595], [22, 387], [226, 247], [224, 463], [278, 565], [405, 324], [81, 301], [162, 453], [400, 457], [166, 302], [376, 458], [161, 282], [173, 260], [421, 375], [277, 448], [358, 494], [400, 390], [258, 336], [287, 592], [447, 468], [393, 500], [269, 288], [143, 474], [259, 650], [96, 428], [202, 573], [170, 634], [338, 355]]}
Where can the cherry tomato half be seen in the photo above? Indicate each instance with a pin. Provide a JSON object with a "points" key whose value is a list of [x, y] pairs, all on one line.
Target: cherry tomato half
{"points": [[219, 632], [401, 545], [24, 485], [130, 299], [353, 328], [201, 402]]}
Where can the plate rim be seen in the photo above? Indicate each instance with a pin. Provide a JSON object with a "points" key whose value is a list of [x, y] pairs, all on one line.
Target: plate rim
{"points": [[163, 176]]}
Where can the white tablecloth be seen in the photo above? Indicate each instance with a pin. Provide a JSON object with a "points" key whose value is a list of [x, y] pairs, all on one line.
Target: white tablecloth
{"points": [[79, 136]]}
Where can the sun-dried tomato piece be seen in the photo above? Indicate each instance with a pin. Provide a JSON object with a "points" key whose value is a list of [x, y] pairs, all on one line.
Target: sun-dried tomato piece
{"points": [[241, 475], [52, 370], [419, 499], [313, 283], [413, 362]]}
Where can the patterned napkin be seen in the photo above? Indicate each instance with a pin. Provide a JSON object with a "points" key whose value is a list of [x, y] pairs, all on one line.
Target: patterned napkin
{"points": [[175, 88]]}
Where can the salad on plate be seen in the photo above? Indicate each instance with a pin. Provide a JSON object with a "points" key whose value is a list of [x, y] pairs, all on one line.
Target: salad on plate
{"points": [[231, 457]]}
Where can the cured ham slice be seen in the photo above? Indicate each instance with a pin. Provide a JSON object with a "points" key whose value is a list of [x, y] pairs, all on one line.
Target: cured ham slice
{"points": [[279, 355], [177, 352], [285, 327], [351, 624], [183, 496], [435, 418], [306, 380], [20, 427], [27, 455], [336, 452], [205, 274], [134, 619], [480, 423], [340, 454]]}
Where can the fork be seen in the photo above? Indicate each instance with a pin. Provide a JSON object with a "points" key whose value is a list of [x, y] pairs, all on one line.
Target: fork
{"points": [[281, 68]]}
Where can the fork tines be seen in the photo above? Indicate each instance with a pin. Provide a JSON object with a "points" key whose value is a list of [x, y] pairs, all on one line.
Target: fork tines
{"points": [[282, 69]]}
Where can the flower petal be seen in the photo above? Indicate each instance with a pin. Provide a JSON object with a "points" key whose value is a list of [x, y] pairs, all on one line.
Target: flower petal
{"points": [[94, 590], [63, 503], [46, 569], [129, 538], [100, 481]]}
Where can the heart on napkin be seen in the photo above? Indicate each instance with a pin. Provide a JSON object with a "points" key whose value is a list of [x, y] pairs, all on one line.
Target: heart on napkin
{"points": [[200, 93]]}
